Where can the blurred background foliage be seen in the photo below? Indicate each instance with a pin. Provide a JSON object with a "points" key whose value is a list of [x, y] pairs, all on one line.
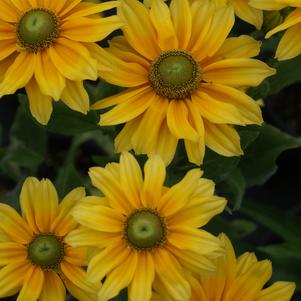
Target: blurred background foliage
{"points": [[263, 186]]}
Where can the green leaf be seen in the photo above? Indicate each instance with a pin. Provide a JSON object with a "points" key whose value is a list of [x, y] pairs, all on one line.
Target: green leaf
{"points": [[68, 178], [218, 168], [27, 148], [101, 90], [233, 188], [66, 121], [291, 249], [259, 162], [288, 73], [282, 223]]}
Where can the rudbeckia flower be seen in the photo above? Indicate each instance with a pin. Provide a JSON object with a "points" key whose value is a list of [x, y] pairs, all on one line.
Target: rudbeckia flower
{"points": [[35, 260], [185, 82], [45, 47], [290, 45], [237, 279], [145, 231]]}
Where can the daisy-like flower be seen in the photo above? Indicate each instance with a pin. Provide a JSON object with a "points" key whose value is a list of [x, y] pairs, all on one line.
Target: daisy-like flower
{"points": [[47, 47], [290, 44], [184, 81], [35, 260], [145, 231], [238, 279]]}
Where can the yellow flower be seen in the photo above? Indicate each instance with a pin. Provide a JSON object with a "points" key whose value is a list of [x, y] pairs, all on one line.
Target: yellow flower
{"points": [[35, 260], [146, 231], [290, 44], [47, 47], [240, 279], [184, 81]]}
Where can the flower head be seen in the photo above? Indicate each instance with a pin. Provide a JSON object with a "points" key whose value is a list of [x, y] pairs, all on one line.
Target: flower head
{"points": [[236, 279], [185, 82], [145, 231], [290, 45], [48, 48], [35, 259]]}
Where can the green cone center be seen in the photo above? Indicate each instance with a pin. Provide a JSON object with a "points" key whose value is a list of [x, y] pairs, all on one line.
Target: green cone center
{"points": [[46, 250], [175, 74], [37, 29], [145, 229]]}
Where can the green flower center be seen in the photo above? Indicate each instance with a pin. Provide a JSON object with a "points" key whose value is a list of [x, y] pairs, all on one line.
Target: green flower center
{"points": [[145, 230], [46, 251], [37, 29], [175, 74]]}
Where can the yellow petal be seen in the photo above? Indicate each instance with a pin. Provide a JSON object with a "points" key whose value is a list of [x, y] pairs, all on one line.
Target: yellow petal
{"points": [[222, 139], [248, 285], [150, 123], [40, 104], [138, 28], [65, 53], [154, 177], [238, 47], [107, 260], [13, 225], [141, 286], [161, 18], [178, 123], [202, 13], [289, 46], [39, 203], [280, 291], [178, 195], [248, 13], [85, 29], [199, 211], [8, 12], [131, 178], [116, 71], [86, 237], [195, 240], [237, 72], [167, 144], [64, 222], [100, 218], [267, 4], [220, 27], [292, 19], [76, 97], [49, 79], [129, 109], [7, 48], [77, 276], [12, 252], [32, 285], [105, 181], [11, 277], [170, 273], [53, 288], [119, 278], [24, 64], [182, 20], [249, 110]]}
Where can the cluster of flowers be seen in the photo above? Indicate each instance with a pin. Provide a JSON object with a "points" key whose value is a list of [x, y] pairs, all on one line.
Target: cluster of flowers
{"points": [[186, 80]]}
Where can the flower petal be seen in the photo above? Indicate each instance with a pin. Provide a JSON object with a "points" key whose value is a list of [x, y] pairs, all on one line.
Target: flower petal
{"points": [[64, 222], [222, 139], [32, 285], [40, 104], [13, 225], [141, 286], [53, 288]]}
